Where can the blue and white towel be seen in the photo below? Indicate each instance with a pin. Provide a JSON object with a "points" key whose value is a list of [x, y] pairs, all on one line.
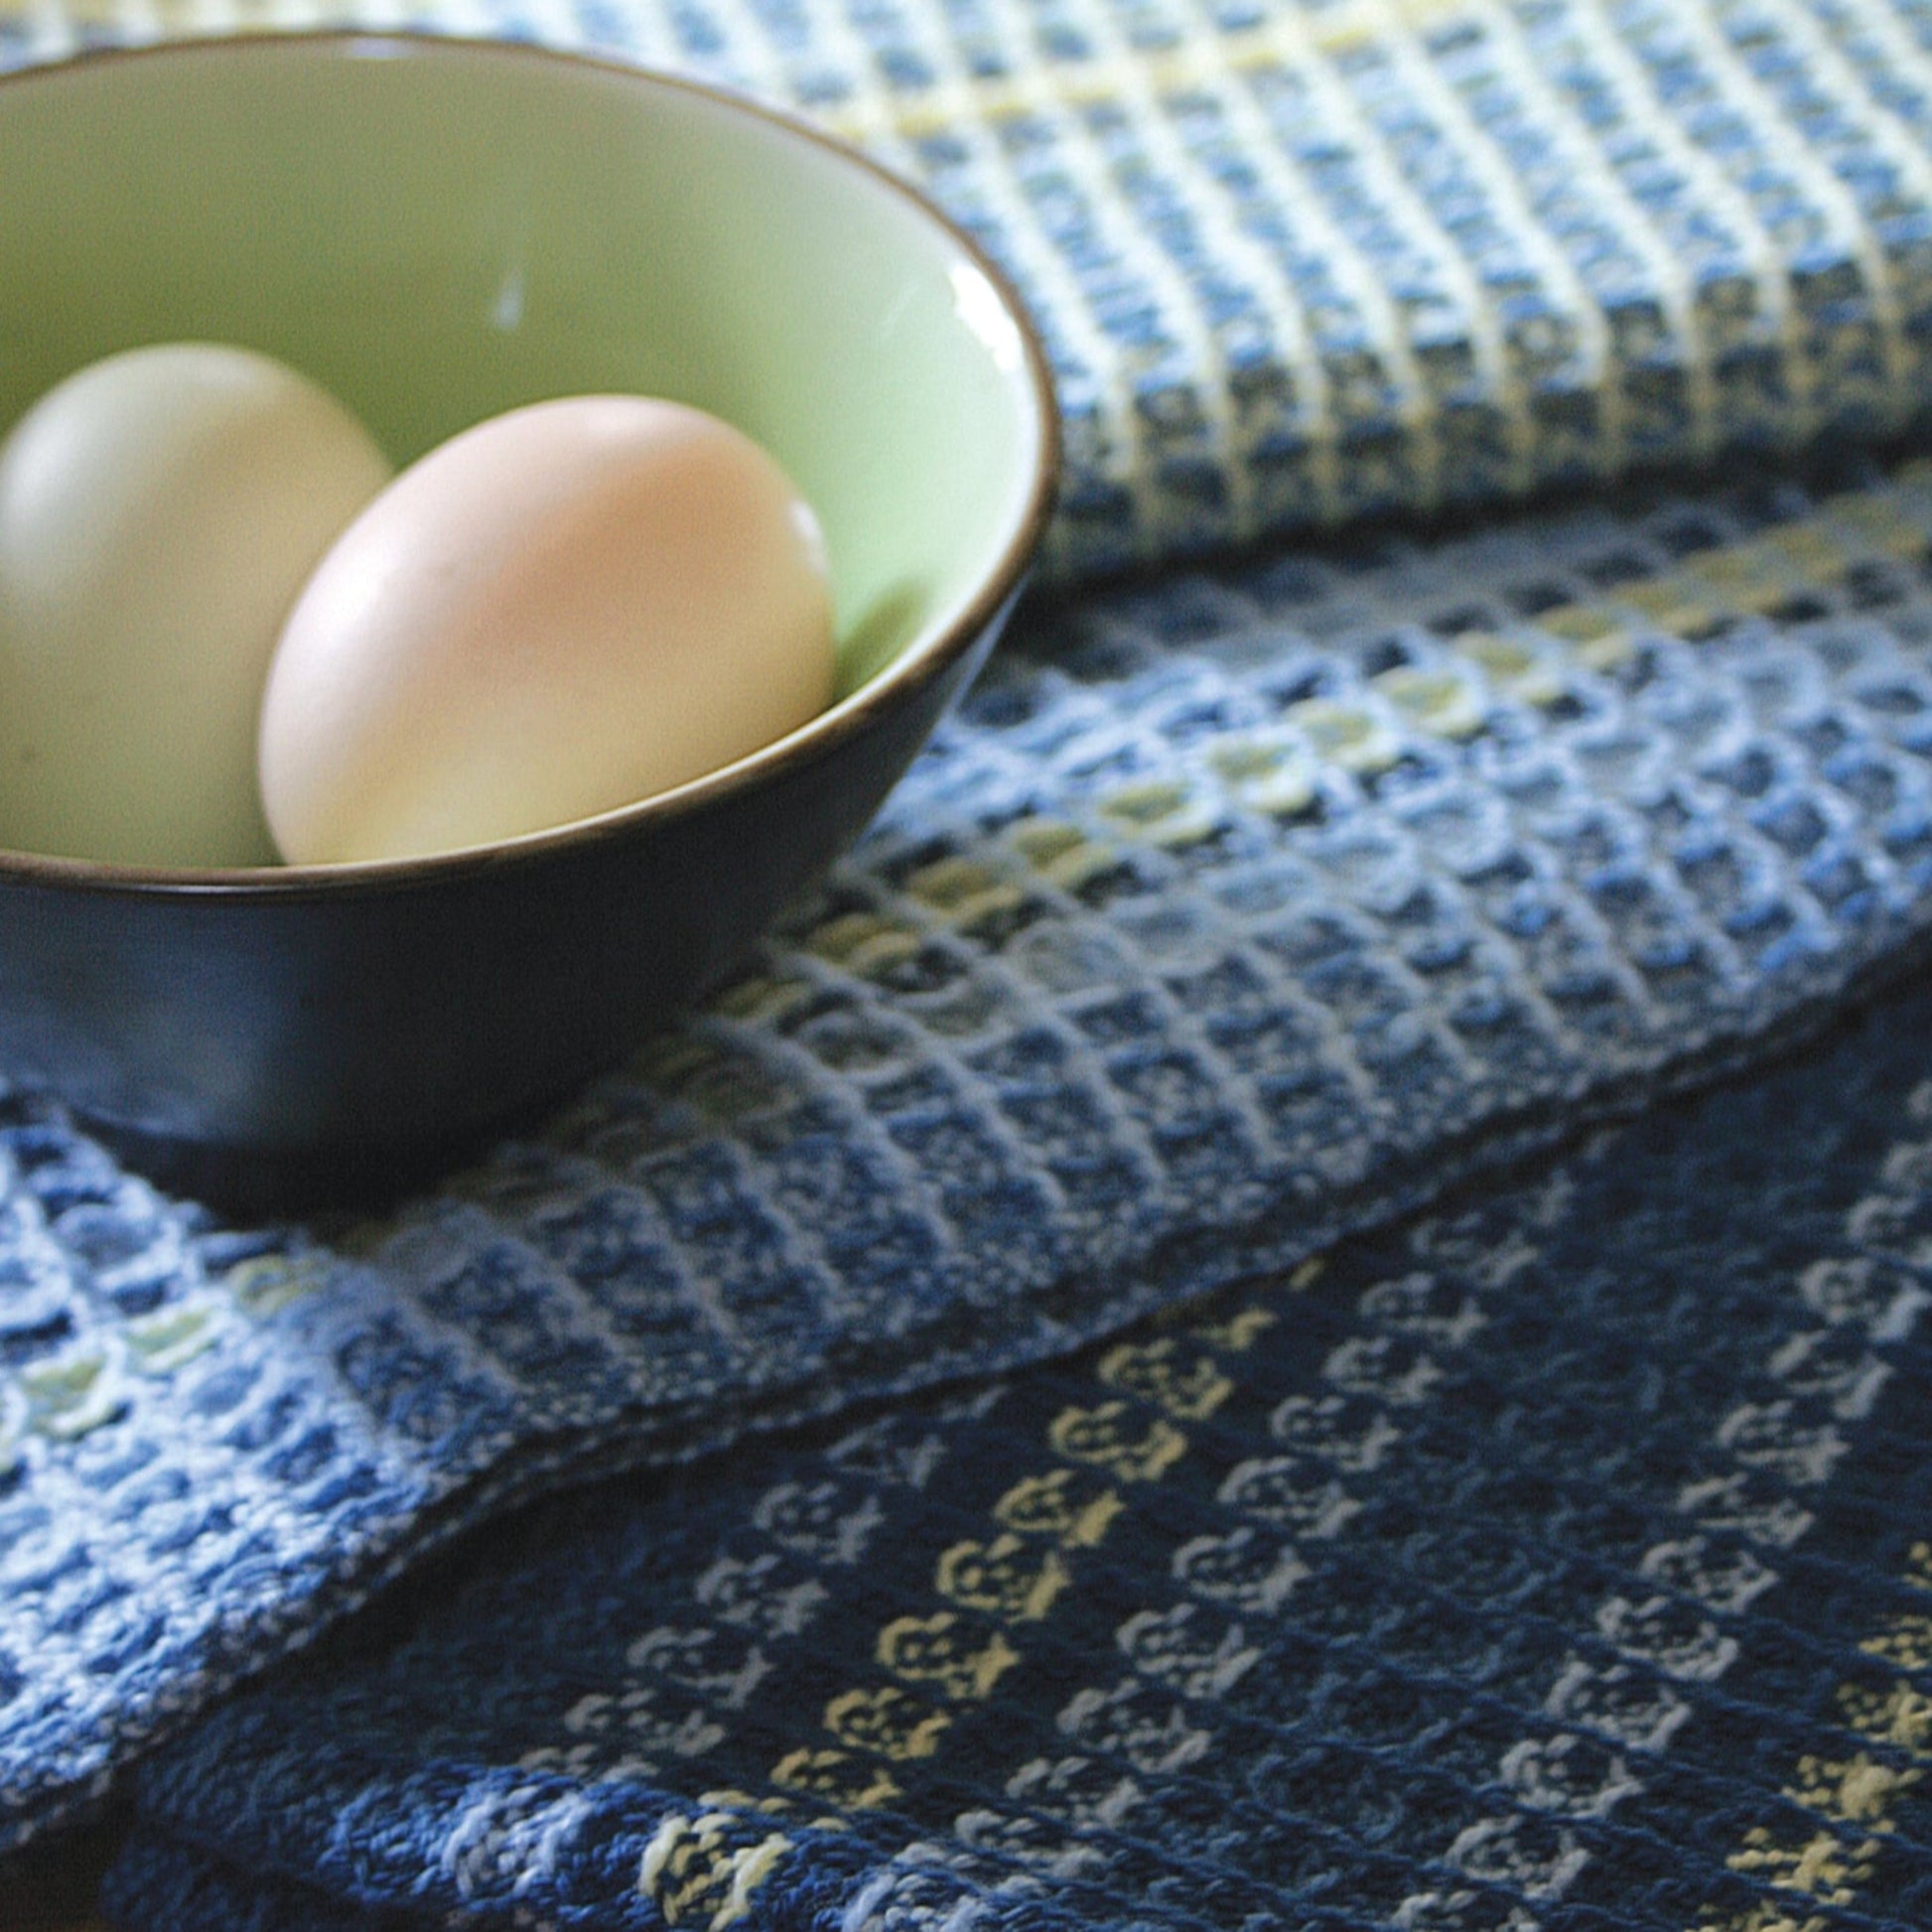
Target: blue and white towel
{"points": [[1556, 1559], [1246, 904], [1254, 907]]}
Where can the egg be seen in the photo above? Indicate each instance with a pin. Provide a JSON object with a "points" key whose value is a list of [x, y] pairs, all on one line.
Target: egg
{"points": [[557, 612], [159, 511]]}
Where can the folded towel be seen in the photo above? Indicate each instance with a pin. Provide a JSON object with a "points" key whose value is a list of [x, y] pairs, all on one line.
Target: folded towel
{"points": [[1558, 1560], [1297, 261], [1234, 912], [1240, 909]]}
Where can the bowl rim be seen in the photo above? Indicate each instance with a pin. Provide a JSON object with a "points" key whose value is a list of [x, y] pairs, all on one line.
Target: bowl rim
{"points": [[918, 664]]}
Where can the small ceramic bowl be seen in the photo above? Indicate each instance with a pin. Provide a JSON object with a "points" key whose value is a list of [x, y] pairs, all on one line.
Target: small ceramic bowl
{"points": [[436, 231]]}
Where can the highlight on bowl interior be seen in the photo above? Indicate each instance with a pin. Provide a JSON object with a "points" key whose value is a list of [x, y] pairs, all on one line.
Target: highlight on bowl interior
{"points": [[230, 634]]}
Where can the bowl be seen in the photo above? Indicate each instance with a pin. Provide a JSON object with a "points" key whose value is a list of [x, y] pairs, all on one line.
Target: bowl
{"points": [[437, 231]]}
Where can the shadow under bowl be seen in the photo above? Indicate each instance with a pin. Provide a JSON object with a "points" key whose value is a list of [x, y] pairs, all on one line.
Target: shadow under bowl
{"points": [[437, 231]]}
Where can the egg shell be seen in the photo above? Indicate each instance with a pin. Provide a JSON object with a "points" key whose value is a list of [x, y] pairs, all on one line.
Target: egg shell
{"points": [[159, 511], [558, 612]]}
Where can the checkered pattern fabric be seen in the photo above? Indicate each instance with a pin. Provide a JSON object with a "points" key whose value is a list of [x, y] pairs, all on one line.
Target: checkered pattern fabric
{"points": [[1557, 1559], [1235, 910], [1251, 901]]}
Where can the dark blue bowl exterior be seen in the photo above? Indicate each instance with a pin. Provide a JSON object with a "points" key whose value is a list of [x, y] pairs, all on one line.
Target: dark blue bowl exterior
{"points": [[280, 1049]]}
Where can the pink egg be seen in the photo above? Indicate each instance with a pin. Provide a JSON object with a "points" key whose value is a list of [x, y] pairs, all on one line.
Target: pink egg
{"points": [[558, 612]]}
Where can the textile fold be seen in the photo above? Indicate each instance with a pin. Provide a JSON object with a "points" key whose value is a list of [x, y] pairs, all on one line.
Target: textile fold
{"points": [[1245, 909], [1266, 890], [1556, 1559]]}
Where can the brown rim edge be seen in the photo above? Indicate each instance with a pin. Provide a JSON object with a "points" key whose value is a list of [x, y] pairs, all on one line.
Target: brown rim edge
{"points": [[822, 734]]}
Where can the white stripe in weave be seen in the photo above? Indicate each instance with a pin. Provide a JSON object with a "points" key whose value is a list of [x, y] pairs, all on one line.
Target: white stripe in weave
{"points": [[1904, 149], [758, 60], [1903, 53], [1721, 196], [557, 23], [1606, 189], [866, 103], [1206, 62], [1299, 46], [1555, 270], [1231, 248], [52, 30], [1175, 290], [1775, 137]]}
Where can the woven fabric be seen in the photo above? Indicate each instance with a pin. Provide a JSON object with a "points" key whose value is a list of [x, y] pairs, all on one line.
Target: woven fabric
{"points": [[1554, 1560], [1299, 262], [1248, 909], [1243, 906]]}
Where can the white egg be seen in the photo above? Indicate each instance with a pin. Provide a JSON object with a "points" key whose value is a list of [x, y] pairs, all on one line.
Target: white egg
{"points": [[560, 611], [159, 511]]}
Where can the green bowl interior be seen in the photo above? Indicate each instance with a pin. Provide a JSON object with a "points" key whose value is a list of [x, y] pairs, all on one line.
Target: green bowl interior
{"points": [[440, 232]]}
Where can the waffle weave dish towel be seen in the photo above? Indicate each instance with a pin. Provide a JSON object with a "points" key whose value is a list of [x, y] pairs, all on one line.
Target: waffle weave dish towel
{"points": [[1558, 1560], [1239, 908], [1264, 906]]}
